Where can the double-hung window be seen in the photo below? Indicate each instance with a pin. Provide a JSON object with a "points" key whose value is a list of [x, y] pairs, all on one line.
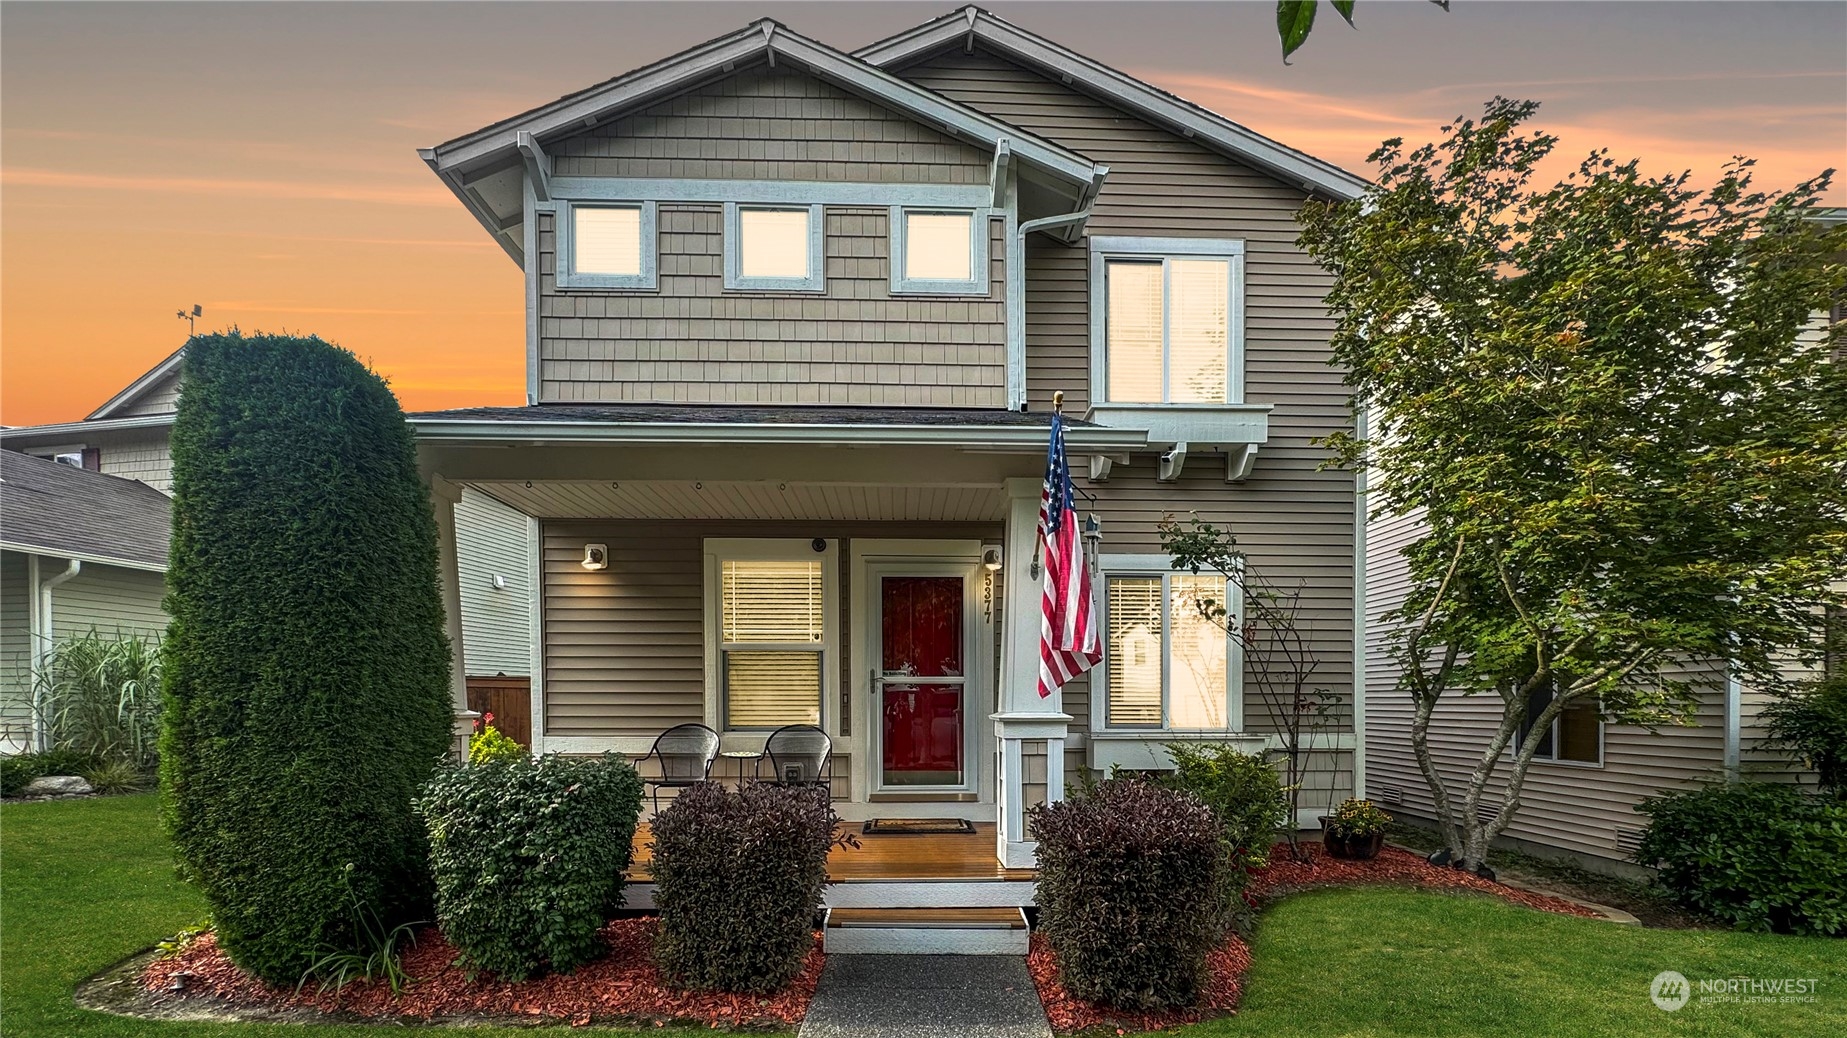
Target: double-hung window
{"points": [[774, 248], [1169, 328], [770, 639], [1167, 664], [607, 245], [939, 251]]}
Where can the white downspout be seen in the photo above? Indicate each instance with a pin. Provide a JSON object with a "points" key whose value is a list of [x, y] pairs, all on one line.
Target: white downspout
{"points": [[42, 635], [1016, 273], [1734, 696]]}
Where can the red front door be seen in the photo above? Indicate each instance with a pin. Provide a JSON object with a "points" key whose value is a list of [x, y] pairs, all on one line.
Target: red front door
{"points": [[921, 681]]}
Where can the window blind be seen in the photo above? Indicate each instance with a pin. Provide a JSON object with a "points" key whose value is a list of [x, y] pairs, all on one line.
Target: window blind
{"points": [[774, 621], [1134, 652], [606, 240]]}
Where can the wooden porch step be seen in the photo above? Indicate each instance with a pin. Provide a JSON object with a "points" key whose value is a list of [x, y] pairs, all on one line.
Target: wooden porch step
{"points": [[926, 931], [968, 918]]}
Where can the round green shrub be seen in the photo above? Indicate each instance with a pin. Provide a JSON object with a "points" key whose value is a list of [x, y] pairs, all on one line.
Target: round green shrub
{"points": [[490, 744], [306, 670], [528, 857], [1131, 891], [738, 879], [1813, 722], [1757, 855]]}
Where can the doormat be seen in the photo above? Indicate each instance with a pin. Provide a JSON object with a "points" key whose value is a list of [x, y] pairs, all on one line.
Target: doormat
{"points": [[919, 827]]}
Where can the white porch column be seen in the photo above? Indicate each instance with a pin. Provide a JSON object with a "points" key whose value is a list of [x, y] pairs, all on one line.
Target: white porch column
{"points": [[444, 496], [1023, 716]]}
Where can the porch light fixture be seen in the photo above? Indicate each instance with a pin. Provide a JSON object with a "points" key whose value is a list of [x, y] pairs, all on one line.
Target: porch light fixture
{"points": [[1093, 539], [596, 556], [991, 558]]}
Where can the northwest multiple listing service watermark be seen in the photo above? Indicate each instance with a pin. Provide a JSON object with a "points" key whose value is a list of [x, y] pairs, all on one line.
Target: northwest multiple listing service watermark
{"points": [[1671, 990]]}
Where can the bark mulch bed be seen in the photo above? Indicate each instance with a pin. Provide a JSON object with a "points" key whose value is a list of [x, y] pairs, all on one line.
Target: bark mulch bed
{"points": [[621, 987], [1226, 966]]}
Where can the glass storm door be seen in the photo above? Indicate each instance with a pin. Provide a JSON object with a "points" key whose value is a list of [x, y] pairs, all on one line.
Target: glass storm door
{"points": [[920, 683]]}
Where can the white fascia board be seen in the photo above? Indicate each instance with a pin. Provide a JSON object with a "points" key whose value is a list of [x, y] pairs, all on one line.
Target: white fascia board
{"points": [[726, 53], [488, 220], [1124, 91], [80, 556], [134, 389], [66, 430], [1025, 438]]}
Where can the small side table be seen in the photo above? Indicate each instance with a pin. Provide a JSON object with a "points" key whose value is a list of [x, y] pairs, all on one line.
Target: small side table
{"points": [[741, 756]]}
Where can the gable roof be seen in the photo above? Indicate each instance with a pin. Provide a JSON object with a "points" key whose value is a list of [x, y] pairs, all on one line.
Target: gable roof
{"points": [[140, 387], [971, 24], [47, 508], [484, 168]]}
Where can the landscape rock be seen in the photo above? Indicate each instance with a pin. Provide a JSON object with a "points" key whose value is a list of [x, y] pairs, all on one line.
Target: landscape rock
{"points": [[58, 785]]}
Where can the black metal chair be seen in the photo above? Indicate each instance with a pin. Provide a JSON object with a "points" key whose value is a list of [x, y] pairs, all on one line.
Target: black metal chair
{"points": [[799, 755], [685, 753]]}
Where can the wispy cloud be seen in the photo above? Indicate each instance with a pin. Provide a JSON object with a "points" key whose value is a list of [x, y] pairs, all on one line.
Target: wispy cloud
{"points": [[255, 307], [31, 176]]}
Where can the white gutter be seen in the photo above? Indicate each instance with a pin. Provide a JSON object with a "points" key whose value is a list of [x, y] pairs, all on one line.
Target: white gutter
{"points": [[1024, 437], [42, 634], [65, 430], [79, 556]]}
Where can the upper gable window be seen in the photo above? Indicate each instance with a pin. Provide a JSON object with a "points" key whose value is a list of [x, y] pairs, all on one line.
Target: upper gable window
{"points": [[1170, 328], [606, 246], [939, 252], [773, 248]]}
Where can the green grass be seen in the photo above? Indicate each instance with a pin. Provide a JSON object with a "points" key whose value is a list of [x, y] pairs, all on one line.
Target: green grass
{"points": [[83, 885], [1377, 962]]}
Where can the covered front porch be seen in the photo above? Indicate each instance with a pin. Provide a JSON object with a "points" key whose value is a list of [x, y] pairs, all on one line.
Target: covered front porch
{"points": [[849, 568]]}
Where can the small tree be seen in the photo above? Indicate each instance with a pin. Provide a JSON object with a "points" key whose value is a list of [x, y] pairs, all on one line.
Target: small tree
{"points": [[1280, 659], [1597, 396], [307, 670]]}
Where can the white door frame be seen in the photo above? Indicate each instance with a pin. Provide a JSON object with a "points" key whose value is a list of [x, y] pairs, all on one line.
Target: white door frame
{"points": [[876, 557]]}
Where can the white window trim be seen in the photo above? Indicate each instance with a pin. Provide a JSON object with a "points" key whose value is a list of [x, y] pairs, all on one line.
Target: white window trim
{"points": [[816, 281], [977, 283], [566, 227], [1105, 248], [1513, 747], [1157, 565], [718, 551]]}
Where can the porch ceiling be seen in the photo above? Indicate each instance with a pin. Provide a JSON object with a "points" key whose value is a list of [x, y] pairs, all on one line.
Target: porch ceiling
{"points": [[749, 499]]}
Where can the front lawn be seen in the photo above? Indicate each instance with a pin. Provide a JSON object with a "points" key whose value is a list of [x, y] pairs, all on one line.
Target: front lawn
{"points": [[86, 883], [1380, 961]]}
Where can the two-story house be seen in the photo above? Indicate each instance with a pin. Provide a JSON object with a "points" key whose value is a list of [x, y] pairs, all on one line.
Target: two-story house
{"points": [[795, 323]]}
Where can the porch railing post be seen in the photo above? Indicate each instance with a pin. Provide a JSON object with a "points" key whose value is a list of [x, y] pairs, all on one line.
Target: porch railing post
{"points": [[1023, 717], [444, 496]]}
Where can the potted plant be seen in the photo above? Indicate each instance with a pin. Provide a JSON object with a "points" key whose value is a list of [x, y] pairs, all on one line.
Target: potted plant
{"points": [[1355, 829]]}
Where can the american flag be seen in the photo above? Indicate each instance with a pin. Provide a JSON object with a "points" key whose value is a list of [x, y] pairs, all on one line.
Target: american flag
{"points": [[1067, 634]]}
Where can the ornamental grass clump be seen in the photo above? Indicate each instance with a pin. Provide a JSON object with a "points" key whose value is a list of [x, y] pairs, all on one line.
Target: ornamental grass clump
{"points": [[1132, 892], [528, 857], [738, 878]]}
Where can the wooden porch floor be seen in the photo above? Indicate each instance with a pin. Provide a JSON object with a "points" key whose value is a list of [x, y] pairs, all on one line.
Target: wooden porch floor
{"points": [[969, 856]]}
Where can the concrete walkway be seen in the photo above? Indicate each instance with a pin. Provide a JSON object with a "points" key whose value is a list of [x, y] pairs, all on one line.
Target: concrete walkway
{"points": [[925, 996]]}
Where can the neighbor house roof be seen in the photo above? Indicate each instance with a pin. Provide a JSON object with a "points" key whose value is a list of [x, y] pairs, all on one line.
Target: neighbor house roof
{"points": [[139, 387], [970, 25], [993, 428], [48, 508], [485, 168]]}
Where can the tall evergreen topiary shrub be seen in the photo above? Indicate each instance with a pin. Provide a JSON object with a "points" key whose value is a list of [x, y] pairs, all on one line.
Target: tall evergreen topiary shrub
{"points": [[307, 667]]}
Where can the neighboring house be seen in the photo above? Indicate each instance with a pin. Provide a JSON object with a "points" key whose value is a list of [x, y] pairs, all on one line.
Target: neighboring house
{"points": [[127, 437], [80, 551], [795, 321]]}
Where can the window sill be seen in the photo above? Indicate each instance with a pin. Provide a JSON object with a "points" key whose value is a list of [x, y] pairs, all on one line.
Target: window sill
{"points": [[1202, 424], [1145, 750]]}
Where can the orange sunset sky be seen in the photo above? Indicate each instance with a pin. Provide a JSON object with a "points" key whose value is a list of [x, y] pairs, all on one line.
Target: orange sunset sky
{"points": [[260, 159]]}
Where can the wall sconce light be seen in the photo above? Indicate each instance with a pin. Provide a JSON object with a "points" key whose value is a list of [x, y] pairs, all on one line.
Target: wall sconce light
{"points": [[596, 556], [1093, 539], [991, 558]]}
